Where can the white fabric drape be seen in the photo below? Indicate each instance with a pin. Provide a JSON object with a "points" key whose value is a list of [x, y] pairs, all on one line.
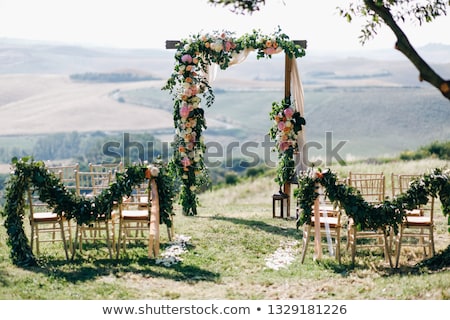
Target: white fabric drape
{"points": [[237, 58], [240, 57]]}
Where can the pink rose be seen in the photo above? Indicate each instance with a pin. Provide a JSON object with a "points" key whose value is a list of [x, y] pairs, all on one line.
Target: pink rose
{"points": [[186, 58], [227, 46], [184, 111], [185, 162], [288, 112], [284, 145], [269, 51], [281, 125]]}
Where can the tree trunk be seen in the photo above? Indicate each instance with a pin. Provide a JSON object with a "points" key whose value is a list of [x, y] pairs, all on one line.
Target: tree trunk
{"points": [[426, 73]]}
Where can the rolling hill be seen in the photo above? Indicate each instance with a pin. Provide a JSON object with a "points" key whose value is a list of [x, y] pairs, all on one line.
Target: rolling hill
{"points": [[374, 105]]}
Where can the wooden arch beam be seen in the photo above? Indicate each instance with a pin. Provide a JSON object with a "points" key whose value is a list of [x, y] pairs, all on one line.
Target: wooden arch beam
{"points": [[172, 44]]}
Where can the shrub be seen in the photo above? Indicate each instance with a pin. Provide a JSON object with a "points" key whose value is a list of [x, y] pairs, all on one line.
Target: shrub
{"points": [[436, 149], [231, 178]]}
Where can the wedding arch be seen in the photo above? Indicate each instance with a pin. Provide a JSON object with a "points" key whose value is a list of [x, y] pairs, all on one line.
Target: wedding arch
{"points": [[195, 60]]}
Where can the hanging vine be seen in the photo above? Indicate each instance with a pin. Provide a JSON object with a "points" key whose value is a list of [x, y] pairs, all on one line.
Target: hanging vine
{"points": [[388, 214], [33, 174]]}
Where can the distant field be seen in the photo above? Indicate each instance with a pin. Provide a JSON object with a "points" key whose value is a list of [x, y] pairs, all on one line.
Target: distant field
{"points": [[366, 121], [48, 104], [373, 121]]}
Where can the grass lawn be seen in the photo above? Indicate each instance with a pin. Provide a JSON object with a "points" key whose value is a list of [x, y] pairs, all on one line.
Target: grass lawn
{"points": [[229, 244]]}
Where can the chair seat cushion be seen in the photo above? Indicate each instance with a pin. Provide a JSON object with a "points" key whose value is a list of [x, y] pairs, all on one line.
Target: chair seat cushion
{"points": [[45, 216], [418, 221], [135, 215], [414, 212]]}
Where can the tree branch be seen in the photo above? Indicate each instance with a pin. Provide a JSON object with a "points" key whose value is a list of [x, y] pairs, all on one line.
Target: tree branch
{"points": [[426, 73]]}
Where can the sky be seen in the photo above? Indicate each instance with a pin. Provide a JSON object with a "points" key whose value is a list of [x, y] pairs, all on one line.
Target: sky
{"points": [[149, 23]]}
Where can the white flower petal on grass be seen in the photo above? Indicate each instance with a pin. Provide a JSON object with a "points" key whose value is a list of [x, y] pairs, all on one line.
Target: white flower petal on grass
{"points": [[283, 256], [171, 255]]}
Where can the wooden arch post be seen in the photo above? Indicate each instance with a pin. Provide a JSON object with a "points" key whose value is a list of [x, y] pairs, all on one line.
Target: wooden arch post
{"points": [[287, 99]]}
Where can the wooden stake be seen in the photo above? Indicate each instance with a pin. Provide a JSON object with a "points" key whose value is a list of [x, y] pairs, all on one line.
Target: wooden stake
{"points": [[153, 238], [317, 236]]}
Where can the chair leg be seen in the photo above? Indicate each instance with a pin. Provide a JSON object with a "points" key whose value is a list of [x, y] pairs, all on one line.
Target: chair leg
{"points": [[352, 243], [32, 237], [387, 252], [108, 239], [80, 244], [37, 238], [347, 246], [119, 240], [69, 240], [305, 241], [422, 243], [433, 251], [63, 237], [398, 246], [338, 245]]}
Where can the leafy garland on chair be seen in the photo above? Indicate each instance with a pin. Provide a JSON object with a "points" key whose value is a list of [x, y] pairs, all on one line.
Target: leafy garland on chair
{"points": [[28, 173], [388, 214], [286, 125], [190, 81]]}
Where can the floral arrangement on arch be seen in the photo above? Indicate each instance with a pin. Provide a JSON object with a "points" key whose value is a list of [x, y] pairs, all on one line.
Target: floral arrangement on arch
{"points": [[189, 84], [286, 125]]}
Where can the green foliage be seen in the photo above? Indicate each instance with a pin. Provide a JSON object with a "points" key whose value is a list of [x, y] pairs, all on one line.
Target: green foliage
{"points": [[28, 173], [389, 214], [240, 6], [286, 125], [255, 171], [400, 10], [231, 178], [85, 147], [436, 149]]}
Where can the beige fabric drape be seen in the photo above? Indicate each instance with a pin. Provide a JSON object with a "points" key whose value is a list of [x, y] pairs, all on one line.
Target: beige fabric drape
{"points": [[298, 100], [297, 95]]}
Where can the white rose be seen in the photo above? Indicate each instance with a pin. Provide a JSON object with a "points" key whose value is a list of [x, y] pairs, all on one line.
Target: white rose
{"points": [[154, 171]]}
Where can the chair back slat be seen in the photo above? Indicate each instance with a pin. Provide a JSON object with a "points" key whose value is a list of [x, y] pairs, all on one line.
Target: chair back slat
{"points": [[92, 183], [370, 185]]}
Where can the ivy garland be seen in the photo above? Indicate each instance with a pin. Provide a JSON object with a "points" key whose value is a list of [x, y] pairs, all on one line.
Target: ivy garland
{"points": [[28, 173], [388, 214], [286, 125], [190, 81]]}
